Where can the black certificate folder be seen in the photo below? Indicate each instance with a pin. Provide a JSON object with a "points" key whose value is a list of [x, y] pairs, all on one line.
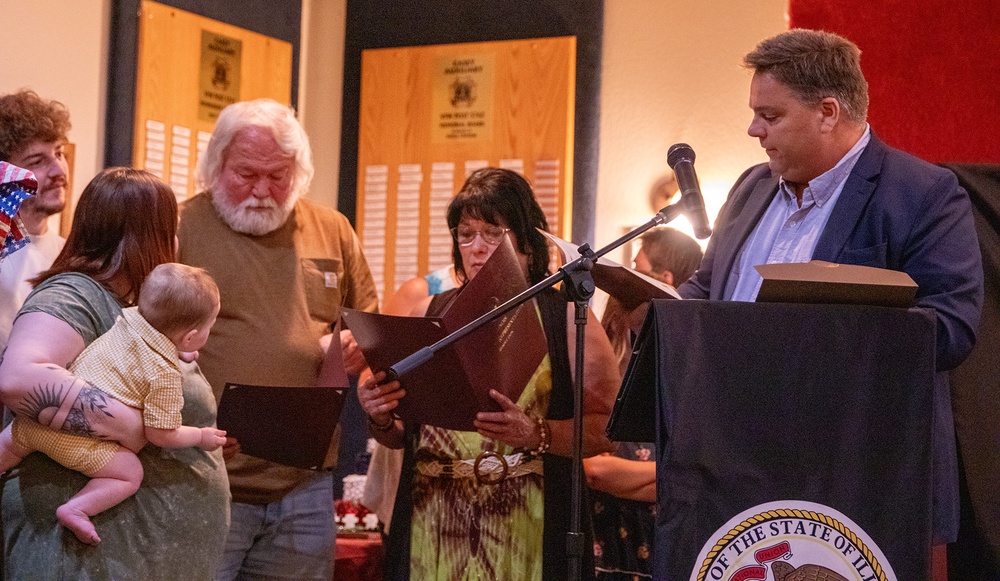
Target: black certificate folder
{"points": [[633, 419], [288, 425]]}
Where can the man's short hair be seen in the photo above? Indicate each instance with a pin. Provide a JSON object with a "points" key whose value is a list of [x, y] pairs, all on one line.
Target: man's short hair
{"points": [[278, 119], [177, 298], [26, 118], [815, 65], [670, 250]]}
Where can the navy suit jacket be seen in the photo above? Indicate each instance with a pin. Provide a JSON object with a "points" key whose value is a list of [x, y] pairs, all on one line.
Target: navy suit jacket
{"points": [[897, 212]]}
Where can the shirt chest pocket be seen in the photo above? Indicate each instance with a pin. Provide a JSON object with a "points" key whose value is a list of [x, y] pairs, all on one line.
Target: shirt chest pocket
{"points": [[321, 278]]}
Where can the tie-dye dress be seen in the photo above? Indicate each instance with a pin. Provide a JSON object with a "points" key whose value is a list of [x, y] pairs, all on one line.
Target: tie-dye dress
{"points": [[464, 530]]}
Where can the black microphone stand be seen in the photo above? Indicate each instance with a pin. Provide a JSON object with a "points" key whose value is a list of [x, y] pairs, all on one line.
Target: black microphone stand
{"points": [[579, 288]]}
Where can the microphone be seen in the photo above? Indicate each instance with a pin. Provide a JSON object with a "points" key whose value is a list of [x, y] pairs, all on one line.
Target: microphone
{"points": [[680, 158]]}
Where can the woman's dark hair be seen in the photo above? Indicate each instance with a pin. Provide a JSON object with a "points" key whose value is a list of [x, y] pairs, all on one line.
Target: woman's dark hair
{"points": [[503, 198], [125, 225]]}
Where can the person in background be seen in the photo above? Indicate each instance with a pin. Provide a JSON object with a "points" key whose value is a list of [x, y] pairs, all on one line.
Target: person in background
{"points": [[137, 362], [32, 136], [623, 484], [285, 266], [831, 190], [174, 526], [386, 463], [666, 254], [453, 527], [412, 292]]}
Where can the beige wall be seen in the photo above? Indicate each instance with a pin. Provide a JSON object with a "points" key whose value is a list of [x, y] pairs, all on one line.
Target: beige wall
{"points": [[670, 74], [58, 48], [321, 90]]}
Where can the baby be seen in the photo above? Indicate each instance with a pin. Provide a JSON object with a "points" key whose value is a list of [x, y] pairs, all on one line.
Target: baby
{"points": [[137, 362]]}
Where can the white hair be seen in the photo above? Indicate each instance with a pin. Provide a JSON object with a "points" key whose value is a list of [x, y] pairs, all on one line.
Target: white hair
{"points": [[267, 113]]}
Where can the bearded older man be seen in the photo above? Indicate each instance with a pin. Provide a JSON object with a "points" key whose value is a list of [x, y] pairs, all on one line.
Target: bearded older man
{"points": [[284, 267]]}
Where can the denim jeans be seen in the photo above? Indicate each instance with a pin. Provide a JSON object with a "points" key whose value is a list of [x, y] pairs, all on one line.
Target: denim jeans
{"points": [[292, 538]]}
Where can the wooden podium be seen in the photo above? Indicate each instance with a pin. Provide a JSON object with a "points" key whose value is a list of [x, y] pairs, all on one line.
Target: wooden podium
{"points": [[773, 420]]}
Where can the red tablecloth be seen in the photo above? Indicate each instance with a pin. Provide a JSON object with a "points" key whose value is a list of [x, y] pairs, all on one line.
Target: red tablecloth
{"points": [[358, 557]]}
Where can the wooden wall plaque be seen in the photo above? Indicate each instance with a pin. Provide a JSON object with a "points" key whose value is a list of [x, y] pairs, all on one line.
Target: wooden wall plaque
{"points": [[190, 67], [430, 115]]}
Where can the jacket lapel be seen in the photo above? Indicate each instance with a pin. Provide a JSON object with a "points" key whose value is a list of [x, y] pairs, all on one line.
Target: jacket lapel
{"points": [[853, 200], [756, 204]]}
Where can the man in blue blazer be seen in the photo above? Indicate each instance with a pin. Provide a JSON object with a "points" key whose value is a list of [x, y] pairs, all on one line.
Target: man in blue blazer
{"points": [[833, 191]]}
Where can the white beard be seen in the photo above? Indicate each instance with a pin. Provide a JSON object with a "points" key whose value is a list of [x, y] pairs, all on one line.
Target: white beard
{"points": [[247, 217]]}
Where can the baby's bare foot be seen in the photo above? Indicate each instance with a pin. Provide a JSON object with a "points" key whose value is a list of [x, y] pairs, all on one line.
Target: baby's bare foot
{"points": [[78, 523]]}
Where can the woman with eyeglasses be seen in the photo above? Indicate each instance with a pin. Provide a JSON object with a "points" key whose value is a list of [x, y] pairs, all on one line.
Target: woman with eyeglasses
{"points": [[451, 526]]}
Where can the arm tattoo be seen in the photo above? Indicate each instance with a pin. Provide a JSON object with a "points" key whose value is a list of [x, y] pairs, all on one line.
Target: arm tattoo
{"points": [[90, 401], [43, 402], [40, 398]]}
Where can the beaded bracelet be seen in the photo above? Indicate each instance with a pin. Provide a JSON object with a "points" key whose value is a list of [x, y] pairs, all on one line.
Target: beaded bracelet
{"points": [[546, 437], [382, 427]]}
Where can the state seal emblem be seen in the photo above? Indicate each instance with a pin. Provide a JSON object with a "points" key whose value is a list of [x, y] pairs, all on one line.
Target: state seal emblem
{"points": [[791, 541]]}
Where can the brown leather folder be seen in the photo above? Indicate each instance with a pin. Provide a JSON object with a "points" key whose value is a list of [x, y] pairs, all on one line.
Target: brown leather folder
{"points": [[332, 372], [821, 282], [452, 386], [630, 287]]}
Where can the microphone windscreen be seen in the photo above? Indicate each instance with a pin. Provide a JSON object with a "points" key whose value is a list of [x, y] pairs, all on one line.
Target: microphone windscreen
{"points": [[678, 152]]}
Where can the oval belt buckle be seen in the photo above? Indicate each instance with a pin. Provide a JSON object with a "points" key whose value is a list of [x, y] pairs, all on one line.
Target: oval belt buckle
{"points": [[484, 477]]}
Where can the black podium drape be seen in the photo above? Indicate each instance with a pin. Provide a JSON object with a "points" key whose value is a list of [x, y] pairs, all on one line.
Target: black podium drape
{"points": [[755, 403], [975, 388]]}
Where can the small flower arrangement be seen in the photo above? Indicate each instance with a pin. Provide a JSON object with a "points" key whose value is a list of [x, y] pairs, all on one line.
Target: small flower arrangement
{"points": [[352, 515]]}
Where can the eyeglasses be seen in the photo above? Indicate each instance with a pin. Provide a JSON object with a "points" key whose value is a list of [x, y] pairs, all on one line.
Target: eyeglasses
{"points": [[491, 235]]}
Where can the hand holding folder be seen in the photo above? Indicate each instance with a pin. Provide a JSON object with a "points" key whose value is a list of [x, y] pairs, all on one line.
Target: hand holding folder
{"points": [[449, 389]]}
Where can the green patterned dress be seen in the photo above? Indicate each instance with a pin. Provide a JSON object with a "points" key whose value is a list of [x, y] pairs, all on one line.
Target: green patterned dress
{"points": [[464, 530]]}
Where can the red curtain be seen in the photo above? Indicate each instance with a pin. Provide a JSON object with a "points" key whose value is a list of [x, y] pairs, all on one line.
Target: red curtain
{"points": [[933, 70]]}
